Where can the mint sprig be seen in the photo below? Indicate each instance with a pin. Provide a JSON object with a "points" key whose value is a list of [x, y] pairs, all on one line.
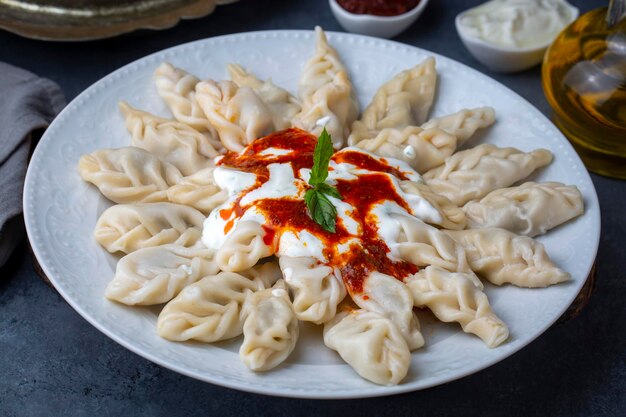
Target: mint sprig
{"points": [[322, 211]]}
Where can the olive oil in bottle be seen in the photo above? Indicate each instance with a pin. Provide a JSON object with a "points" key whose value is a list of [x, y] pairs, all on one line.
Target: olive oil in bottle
{"points": [[584, 80]]}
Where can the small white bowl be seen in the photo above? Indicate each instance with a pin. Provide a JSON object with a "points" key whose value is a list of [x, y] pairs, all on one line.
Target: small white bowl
{"points": [[503, 58], [379, 26]]}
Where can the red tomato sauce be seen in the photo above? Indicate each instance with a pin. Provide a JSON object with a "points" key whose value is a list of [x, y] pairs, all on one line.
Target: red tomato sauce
{"points": [[378, 7], [290, 215], [364, 161]]}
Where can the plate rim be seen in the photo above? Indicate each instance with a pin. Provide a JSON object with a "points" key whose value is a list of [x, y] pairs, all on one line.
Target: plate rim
{"points": [[375, 390]]}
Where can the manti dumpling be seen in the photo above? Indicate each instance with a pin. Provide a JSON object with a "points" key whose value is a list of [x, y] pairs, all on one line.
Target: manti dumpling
{"points": [[452, 217], [473, 173], [199, 191], [270, 330], [423, 245], [281, 103], [463, 124], [454, 297], [129, 227], [211, 309], [129, 175], [403, 101], [388, 296], [156, 274], [317, 289], [171, 141], [237, 113], [371, 344], [327, 95], [244, 247], [422, 149], [177, 88], [503, 257], [530, 209]]}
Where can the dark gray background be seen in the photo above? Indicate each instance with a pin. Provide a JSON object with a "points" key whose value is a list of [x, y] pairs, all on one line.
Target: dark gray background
{"points": [[52, 362]]}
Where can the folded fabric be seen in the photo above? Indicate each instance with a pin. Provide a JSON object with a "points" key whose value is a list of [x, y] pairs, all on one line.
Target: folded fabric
{"points": [[27, 104]]}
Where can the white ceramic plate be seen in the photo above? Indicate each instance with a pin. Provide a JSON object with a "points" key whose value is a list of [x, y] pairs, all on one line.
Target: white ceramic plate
{"points": [[61, 211]]}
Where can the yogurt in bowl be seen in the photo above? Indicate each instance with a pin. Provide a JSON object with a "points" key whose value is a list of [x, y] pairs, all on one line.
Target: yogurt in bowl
{"points": [[512, 35]]}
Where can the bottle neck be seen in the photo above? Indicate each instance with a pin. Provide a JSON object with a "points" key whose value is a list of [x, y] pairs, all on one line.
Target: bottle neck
{"points": [[616, 12]]}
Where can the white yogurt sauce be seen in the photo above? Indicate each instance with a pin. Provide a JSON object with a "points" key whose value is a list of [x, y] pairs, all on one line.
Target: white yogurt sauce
{"points": [[518, 23], [283, 184]]}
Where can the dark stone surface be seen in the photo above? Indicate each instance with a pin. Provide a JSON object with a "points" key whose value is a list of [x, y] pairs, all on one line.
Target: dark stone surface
{"points": [[52, 362]]}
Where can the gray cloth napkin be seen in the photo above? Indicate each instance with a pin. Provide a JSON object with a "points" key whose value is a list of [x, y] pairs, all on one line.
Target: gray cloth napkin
{"points": [[27, 103]]}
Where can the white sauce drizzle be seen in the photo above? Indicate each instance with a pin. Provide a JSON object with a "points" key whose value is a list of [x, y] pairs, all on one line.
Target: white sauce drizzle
{"points": [[283, 184]]}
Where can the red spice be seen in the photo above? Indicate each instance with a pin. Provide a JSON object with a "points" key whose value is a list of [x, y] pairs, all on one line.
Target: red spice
{"points": [[288, 214], [268, 238], [378, 7]]}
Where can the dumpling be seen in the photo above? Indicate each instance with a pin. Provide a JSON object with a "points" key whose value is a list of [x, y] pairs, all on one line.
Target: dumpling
{"points": [[371, 344], [331, 107], [463, 124], [271, 329], [321, 68], [424, 245], [178, 89], [388, 296], [530, 209], [403, 101], [281, 103], [171, 141], [453, 296], [452, 217], [156, 274], [503, 257], [422, 149], [243, 248], [327, 94], [129, 175], [212, 309], [317, 289], [472, 174], [127, 227], [237, 113], [199, 191]]}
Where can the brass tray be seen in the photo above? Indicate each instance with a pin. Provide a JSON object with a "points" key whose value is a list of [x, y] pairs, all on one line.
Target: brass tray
{"points": [[72, 20]]}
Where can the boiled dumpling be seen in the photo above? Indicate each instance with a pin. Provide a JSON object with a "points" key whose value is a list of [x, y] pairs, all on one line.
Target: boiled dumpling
{"points": [[156, 274], [281, 103], [317, 289], [463, 124], [212, 309], [452, 217], [171, 141], [199, 191], [270, 330], [530, 209], [129, 227], [371, 344], [386, 295], [327, 94], [503, 257], [129, 175], [403, 101], [474, 173], [422, 149], [243, 248], [454, 296], [237, 113]]}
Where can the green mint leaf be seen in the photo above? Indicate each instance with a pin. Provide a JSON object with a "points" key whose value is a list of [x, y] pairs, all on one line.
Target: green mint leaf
{"points": [[311, 200], [321, 209], [321, 158], [328, 190]]}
